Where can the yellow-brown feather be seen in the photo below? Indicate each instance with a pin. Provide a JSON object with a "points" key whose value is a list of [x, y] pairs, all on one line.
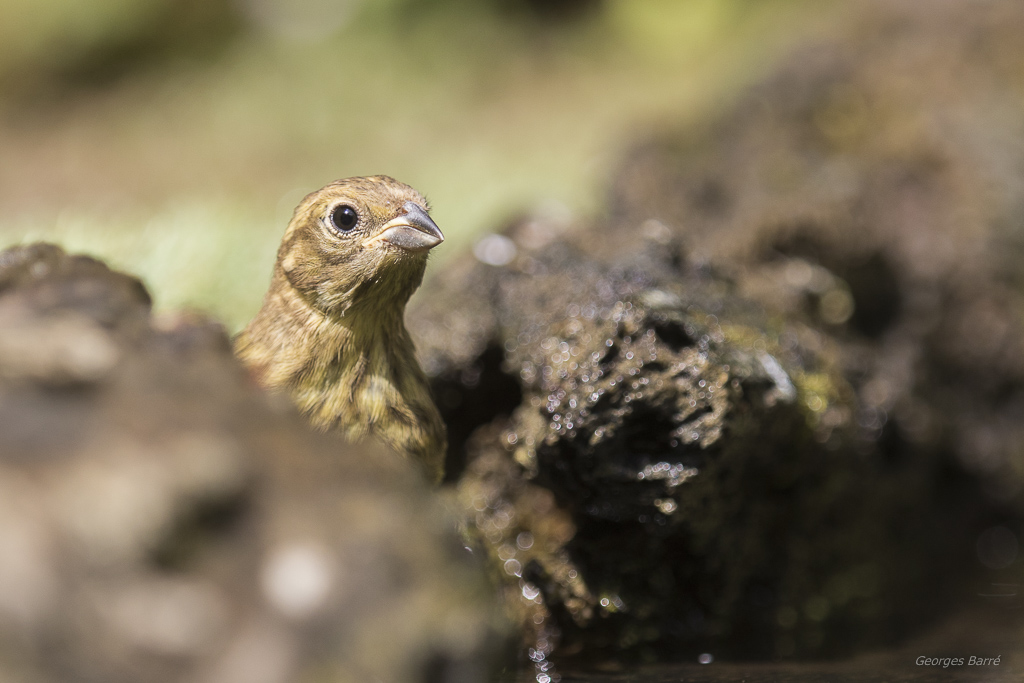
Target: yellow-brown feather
{"points": [[331, 330]]}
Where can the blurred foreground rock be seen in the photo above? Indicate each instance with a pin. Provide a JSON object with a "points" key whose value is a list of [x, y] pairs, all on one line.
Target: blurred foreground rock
{"points": [[162, 520], [773, 403]]}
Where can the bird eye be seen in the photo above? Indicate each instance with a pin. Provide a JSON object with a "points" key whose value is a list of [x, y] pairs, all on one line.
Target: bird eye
{"points": [[344, 217]]}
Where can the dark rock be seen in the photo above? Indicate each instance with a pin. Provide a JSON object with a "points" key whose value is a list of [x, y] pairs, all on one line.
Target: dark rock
{"points": [[838, 259], [888, 160], [888, 163], [683, 470], [161, 519]]}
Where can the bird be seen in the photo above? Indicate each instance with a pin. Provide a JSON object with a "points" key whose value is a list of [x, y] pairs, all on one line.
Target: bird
{"points": [[331, 330]]}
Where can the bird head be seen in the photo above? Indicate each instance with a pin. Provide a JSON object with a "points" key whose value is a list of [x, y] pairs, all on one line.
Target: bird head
{"points": [[358, 242]]}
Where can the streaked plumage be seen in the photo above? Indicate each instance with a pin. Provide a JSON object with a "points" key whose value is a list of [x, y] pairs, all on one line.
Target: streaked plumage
{"points": [[331, 331]]}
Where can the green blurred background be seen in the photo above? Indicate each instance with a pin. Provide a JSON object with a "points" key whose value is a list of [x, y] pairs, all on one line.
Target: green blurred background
{"points": [[174, 137]]}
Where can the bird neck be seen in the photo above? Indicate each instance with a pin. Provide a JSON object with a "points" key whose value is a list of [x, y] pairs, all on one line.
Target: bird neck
{"points": [[347, 370], [354, 372], [290, 340]]}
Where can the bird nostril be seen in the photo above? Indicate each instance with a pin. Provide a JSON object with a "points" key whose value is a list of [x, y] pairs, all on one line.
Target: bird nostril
{"points": [[411, 208]]}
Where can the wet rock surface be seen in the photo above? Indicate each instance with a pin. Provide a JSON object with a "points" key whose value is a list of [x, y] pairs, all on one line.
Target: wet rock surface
{"points": [[883, 169], [771, 403], [163, 520], [874, 184], [682, 469], [989, 642]]}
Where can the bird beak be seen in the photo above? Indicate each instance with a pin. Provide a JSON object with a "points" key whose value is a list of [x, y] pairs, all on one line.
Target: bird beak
{"points": [[412, 230]]}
